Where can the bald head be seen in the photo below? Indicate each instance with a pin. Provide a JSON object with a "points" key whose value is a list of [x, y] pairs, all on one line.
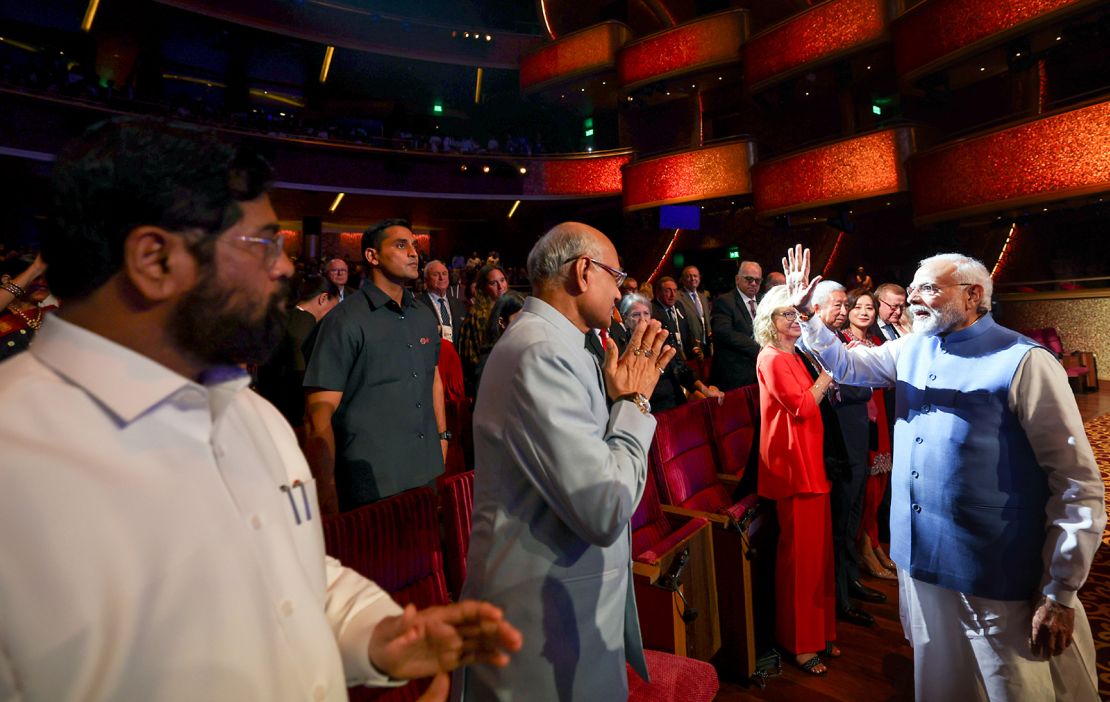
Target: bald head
{"points": [[572, 269], [548, 258], [749, 277]]}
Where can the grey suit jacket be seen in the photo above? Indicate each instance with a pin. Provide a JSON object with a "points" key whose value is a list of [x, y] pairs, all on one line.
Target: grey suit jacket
{"points": [[699, 324], [557, 479]]}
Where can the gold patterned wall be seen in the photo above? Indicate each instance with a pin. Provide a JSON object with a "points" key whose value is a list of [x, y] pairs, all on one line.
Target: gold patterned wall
{"points": [[1081, 317]]}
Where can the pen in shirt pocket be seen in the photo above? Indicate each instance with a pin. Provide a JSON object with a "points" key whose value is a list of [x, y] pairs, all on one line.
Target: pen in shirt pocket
{"points": [[289, 490]]}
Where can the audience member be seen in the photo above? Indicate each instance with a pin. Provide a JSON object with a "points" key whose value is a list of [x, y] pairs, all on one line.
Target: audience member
{"points": [[505, 310], [449, 311], [490, 284], [678, 378], [281, 378], [861, 318], [792, 473], [735, 349], [158, 556], [664, 308], [773, 279], [630, 285], [560, 474], [862, 280], [850, 405], [998, 504], [374, 398], [695, 305], [892, 308], [338, 273]]}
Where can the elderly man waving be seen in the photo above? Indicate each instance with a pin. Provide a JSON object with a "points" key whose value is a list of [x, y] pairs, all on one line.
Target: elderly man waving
{"points": [[997, 504]]}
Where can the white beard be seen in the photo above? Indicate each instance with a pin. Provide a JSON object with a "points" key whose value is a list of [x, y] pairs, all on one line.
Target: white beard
{"points": [[938, 322]]}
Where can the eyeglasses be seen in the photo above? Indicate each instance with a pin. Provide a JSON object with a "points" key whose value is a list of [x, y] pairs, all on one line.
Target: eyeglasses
{"points": [[274, 246], [751, 279], [790, 315], [901, 306], [617, 273], [930, 289]]}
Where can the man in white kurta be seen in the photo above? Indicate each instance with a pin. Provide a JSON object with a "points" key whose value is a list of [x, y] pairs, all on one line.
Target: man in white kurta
{"points": [[162, 538]]}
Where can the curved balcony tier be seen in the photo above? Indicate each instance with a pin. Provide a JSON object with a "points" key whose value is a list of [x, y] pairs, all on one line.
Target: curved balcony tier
{"points": [[703, 43], [818, 35], [697, 174], [1042, 160], [589, 51], [938, 33], [865, 166]]}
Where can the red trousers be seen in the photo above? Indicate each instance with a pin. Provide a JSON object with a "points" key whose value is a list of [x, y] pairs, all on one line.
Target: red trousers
{"points": [[805, 594], [872, 498]]}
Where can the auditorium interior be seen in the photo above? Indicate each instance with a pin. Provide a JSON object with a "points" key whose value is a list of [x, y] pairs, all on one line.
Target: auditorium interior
{"points": [[691, 132]]}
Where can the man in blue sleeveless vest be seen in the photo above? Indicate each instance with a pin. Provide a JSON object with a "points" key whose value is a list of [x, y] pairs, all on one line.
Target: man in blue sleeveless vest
{"points": [[997, 504]]}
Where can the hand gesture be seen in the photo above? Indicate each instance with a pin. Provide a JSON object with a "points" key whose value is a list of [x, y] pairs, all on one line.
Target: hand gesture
{"points": [[419, 643], [639, 367], [798, 285], [1052, 628]]}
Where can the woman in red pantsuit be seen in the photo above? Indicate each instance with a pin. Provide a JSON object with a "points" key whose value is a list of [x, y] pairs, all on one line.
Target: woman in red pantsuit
{"points": [[792, 472]]}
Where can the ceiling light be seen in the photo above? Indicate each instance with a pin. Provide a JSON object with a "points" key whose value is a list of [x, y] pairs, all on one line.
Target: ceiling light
{"points": [[485, 169], [335, 203], [523, 170], [512, 210]]}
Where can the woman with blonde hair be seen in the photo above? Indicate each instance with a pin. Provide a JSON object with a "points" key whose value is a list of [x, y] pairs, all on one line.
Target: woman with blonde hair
{"points": [[792, 473]]}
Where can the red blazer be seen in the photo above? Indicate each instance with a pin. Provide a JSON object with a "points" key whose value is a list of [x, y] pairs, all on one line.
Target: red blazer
{"points": [[791, 439]]}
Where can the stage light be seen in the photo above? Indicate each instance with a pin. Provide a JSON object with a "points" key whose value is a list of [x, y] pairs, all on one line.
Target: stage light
{"points": [[335, 203], [512, 210], [328, 53]]}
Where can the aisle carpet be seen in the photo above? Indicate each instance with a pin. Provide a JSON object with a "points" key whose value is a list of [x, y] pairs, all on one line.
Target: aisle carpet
{"points": [[1096, 593]]}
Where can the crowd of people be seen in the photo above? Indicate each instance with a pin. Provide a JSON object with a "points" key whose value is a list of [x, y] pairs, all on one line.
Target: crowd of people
{"points": [[167, 480]]}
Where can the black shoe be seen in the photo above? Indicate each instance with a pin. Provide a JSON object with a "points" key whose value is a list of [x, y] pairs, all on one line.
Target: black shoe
{"points": [[855, 615], [860, 591]]}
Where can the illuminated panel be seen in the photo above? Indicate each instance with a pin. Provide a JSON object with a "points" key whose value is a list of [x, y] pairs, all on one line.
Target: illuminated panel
{"points": [[590, 50], [705, 42], [1064, 155], [854, 169], [596, 176], [701, 174], [824, 32], [937, 32]]}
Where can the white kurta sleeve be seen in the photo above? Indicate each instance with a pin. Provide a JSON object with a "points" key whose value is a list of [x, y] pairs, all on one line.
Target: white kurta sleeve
{"points": [[1076, 510], [354, 606], [863, 365]]}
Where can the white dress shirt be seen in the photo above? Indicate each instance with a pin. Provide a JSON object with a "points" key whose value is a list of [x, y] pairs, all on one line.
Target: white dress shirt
{"points": [[1042, 401], [149, 550]]}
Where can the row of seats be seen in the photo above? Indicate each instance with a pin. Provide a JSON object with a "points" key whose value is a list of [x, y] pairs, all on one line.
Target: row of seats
{"points": [[414, 546]]}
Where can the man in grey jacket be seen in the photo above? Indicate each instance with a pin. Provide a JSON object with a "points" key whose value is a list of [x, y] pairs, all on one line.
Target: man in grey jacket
{"points": [[561, 448]]}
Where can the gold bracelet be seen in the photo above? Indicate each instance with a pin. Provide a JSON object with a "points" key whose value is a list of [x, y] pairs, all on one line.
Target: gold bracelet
{"points": [[13, 289]]}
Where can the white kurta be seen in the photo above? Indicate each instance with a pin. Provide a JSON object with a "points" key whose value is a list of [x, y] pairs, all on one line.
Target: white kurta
{"points": [[149, 551]]}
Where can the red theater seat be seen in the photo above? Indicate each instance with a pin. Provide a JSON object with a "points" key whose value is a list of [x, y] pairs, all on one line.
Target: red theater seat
{"points": [[1079, 365], [673, 679], [734, 423], [395, 543], [456, 505], [682, 461], [674, 578]]}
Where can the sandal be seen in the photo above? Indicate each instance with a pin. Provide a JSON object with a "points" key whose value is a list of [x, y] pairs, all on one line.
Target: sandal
{"points": [[832, 650], [812, 664], [884, 560], [871, 562]]}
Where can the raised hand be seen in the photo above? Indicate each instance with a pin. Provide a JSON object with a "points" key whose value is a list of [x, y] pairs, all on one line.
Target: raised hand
{"points": [[419, 643], [639, 367], [795, 266]]}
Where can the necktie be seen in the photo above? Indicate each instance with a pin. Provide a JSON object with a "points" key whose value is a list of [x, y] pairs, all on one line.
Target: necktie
{"points": [[444, 315], [891, 332], [751, 306], [677, 330], [697, 302]]}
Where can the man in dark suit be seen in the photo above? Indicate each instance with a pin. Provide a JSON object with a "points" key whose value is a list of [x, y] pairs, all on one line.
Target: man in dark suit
{"points": [[448, 310], [665, 308], [735, 348]]}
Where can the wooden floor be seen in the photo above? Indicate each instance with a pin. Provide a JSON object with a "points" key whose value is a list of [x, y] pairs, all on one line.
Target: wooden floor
{"points": [[877, 665]]}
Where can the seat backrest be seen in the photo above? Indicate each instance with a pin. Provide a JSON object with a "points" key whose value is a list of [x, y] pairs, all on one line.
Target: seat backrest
{"points": [[649, 524], [734, 427], [396, 543], [682, 459], [456, 507]]}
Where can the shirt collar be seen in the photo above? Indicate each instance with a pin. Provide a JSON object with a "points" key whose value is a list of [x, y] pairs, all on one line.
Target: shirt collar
{"points": [[977, 328], [379, 299], [744, 297], [557, 319], [125, 382]]}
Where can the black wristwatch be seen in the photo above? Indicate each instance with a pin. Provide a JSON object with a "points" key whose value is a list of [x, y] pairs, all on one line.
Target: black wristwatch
{"points": [[445, 436]]}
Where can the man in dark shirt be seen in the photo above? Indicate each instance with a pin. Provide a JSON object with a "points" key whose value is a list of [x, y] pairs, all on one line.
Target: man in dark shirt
{"points": [[374, 405]]}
